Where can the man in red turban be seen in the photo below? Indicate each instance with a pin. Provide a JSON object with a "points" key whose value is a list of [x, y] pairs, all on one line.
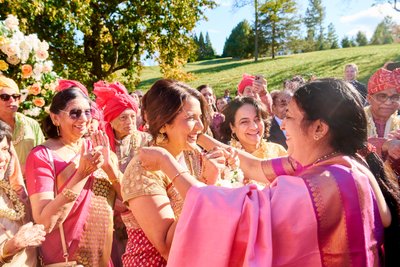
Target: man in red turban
{"points": [[384, 99], [256, 87]]}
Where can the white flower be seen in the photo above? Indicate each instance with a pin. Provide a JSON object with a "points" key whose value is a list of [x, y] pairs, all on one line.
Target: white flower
{"points": [[10, 49], [41, 55], [47, 66], [24, 57], [37, 71], [33, 40], [231, 178], [13, 60], [11, 22], [43, 45], [33, 112], [25, 46]]}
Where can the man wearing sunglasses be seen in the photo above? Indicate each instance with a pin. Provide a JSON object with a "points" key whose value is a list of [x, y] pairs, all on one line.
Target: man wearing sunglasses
{"points": [[26, 132], [384, 99]]}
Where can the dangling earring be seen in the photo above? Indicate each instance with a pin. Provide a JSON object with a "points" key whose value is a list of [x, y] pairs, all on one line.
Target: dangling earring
{"points": [[235, 141], [161, 138], [58, 130]]}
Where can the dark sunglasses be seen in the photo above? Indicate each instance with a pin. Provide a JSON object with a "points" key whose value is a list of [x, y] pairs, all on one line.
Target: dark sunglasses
{"points": [[75, 114], [6, 97]]}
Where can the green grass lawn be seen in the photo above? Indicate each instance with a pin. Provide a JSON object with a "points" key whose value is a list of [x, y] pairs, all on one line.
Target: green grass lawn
{"points": [[226, 73]]}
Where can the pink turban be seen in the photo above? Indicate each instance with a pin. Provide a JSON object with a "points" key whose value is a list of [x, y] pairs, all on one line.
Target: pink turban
{"points": [[65, 84], [384, 79], [113, 99], [247, 80]]}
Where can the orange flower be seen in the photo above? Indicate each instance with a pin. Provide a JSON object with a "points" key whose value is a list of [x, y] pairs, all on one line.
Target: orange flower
{"points": [[38, 101], [26, 71], [34, 89]]}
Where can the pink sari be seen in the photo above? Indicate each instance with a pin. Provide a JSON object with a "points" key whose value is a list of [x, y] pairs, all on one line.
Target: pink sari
{"points": [[325, 215], [40, 177]]}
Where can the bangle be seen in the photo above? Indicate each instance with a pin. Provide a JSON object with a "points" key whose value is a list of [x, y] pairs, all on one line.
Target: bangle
{"points": [[178, 174], [4, 257], [69, 194]]}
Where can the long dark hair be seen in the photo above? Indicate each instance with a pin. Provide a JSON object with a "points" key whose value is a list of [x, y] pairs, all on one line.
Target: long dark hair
{"points": [[339, 105], [60, 102]]}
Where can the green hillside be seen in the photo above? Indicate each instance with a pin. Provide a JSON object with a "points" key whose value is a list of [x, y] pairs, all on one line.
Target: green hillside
{"points": [[226, 73]]}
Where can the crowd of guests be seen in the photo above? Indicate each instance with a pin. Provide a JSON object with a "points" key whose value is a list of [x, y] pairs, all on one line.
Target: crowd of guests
{"points": [[136, 179]]}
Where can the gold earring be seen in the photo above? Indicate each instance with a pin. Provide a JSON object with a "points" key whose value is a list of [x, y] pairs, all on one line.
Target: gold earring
{"points": [[58, 130], [161, 138]]}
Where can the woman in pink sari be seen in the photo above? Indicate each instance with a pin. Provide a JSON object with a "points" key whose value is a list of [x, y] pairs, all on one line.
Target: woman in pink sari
{"points": [[324, 206], [71, 183]]}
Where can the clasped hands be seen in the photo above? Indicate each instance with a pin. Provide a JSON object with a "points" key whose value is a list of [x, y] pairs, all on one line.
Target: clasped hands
{"points": [[214, 161]]}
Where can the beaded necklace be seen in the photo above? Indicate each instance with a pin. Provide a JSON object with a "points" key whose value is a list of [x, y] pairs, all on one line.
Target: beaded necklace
{"points": [[18, 212], [327, 156]]}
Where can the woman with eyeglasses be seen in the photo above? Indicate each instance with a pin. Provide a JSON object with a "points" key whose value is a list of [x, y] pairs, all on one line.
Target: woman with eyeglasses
{"points": [[71, 182], [26, 132], [384, 99], [120, 114]]}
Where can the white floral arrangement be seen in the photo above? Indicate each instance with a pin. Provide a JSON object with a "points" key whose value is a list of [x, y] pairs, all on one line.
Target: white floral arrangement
{"points": [[231, 178], [24, 58]]}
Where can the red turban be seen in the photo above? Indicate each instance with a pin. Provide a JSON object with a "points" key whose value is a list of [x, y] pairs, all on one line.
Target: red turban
{"points": [[384, 79], [65, 84], [247, 80], [113, 99]]}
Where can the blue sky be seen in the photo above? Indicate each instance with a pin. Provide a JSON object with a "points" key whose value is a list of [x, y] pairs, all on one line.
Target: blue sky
{"points": [[349, 17]]}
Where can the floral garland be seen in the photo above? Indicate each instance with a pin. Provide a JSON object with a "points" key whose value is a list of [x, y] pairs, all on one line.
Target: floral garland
{"points": [[232, 178], [24, 58], [18, 212]]}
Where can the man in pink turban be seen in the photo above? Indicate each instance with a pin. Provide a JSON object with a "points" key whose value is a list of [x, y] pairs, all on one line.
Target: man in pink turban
{"points": [[384, 99], [120, 111], [256, 87]]}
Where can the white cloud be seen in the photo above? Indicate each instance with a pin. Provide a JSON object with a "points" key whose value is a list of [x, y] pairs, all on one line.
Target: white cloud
{"points": [[362, 28], [224, 3], [375, 12]]}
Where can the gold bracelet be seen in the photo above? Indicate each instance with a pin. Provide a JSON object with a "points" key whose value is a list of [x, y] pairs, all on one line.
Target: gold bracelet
{"points": [[178, 174], [69, 194], [3, 257]]}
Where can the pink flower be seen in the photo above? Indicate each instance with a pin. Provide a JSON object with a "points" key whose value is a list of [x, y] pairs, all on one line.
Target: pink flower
{"points": [[42, 54]]}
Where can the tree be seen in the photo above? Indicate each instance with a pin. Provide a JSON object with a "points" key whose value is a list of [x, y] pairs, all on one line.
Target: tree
{"points": [[92, 39], [238, 44], [361, 39], [313, 20], [278, 21], [210, 53], [331, 37], [347, 42], [242, 3], [382, 33]]}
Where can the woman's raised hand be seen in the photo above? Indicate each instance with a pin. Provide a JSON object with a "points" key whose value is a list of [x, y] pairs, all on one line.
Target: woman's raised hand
{"points": [[151, 157], [90, 160], [100, 139]]}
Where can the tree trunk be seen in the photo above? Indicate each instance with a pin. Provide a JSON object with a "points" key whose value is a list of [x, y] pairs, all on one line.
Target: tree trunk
{"points": [[256, 31]]}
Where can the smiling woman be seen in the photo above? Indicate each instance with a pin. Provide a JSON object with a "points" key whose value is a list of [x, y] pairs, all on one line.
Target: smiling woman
{"points": [[176, 115]]}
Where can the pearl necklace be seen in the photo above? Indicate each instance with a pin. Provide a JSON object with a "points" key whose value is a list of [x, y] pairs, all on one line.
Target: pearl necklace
{"points": [[327, 156]]}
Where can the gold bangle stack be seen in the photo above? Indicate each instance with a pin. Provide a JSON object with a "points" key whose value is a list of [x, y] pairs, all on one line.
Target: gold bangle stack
{"points": [[69, 194]]}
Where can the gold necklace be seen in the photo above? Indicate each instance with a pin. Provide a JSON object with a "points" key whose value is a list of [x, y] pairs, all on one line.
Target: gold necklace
{"points": [[327, 156], [75, 148], [21, 132], [18, 212]]}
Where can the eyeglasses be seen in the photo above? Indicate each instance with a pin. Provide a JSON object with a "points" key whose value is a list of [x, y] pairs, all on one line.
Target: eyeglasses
{"points": [[6, 97], [384, 97], [75, 114]]}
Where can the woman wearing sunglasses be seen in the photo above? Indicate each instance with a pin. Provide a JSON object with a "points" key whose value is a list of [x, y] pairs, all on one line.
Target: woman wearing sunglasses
{"points": [[71, 183], [26, 131], [120, 114], [384, 99]]}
